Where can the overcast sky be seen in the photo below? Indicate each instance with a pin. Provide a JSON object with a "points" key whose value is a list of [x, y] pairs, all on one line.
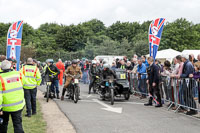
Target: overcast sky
{"points": [[36, 12]]}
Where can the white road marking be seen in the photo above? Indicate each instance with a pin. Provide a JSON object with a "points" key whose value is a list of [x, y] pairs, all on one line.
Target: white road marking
{"points": [[109, 108], [89, 96], [131, 103]]}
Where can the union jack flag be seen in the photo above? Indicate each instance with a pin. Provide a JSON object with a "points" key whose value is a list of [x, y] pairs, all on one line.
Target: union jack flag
{"points": [[155, 33], [14, 39]]}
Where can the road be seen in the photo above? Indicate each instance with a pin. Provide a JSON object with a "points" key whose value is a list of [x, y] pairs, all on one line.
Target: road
{"points": [[91, 115]]}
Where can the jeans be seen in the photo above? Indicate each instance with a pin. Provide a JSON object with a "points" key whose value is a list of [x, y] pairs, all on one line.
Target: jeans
{"points": [[16, 119], [181, 96], [54, 84], [195, 88], [93, 80], [30, 98], [142, 87], [85, 77], [188, 94]]}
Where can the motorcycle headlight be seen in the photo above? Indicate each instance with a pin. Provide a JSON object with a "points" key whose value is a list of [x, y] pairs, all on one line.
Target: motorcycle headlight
{"points": [[110, 80]]}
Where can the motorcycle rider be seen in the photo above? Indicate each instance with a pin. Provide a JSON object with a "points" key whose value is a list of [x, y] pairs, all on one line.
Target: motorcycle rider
{"points": [[93, 73], [52, 73], [71, 70], [106, 73]]}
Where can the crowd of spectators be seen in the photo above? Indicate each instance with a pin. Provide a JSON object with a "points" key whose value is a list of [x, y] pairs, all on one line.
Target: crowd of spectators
{"points": [[182, 67]]}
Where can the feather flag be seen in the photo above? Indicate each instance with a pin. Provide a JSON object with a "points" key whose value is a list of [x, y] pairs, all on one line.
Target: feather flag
{"points": [[155, 33], [14, 39]]}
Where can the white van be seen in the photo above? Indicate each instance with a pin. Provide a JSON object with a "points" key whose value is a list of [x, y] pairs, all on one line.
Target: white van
{"points": [[108, 58]]}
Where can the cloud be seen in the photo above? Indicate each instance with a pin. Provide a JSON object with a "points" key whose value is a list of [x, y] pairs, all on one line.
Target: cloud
{"points": [[36, 12]]}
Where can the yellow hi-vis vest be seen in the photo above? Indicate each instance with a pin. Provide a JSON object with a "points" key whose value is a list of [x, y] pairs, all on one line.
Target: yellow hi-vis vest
{"points": [[11, 91], [32, 76], [45, 67], [0, 67]]}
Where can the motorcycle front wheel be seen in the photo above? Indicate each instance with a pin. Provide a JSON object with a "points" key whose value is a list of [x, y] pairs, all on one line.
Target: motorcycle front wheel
{"points": [[48, 93], [112, 96], [76, 94]]}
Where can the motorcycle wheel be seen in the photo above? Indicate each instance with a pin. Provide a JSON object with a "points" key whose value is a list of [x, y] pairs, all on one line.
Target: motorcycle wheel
{"points": [[76, 94], [47, 98], [127, 96], [112, 96], [95, 88]]}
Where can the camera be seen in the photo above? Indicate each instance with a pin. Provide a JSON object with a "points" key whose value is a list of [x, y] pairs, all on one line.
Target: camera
{"points": [[1, 121]]}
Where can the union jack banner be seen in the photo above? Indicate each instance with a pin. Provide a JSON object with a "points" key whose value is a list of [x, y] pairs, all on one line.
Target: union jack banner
{"points": [[14, 38], [155, 33]]}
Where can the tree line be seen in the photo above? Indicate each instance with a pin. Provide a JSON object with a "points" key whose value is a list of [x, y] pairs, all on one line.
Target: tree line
{"points": [[92, 38]]}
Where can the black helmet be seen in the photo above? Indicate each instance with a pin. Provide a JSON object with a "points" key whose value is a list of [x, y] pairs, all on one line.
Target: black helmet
{"points": [[74, 62]]}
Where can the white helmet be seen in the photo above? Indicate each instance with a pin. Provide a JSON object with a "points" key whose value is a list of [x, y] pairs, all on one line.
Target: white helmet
{"points": [[106, 66], [94, 62]]}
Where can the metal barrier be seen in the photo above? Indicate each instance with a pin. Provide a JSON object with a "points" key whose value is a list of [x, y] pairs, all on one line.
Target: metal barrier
{"points": [[179, 93], [138, 84]]}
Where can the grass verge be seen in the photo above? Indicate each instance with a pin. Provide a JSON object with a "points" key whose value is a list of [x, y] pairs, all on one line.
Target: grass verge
{"points": [[35, 124]]}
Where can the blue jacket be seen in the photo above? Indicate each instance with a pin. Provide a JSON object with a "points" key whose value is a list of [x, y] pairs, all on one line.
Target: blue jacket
{"points": [[142, 69], [113, 68], [146, 63], [187, 69]]}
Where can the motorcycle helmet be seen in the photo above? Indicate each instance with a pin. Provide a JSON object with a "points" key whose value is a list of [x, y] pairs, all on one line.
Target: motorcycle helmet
{"points": [[105, 66], [74, 62], [94, 62], [50, 61]]}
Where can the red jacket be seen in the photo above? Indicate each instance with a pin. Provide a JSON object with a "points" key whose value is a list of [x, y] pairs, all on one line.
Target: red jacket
{"points": [[61, 67]]}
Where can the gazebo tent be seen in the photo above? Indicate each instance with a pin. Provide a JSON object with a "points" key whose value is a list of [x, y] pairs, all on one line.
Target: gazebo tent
{"points": [[167, 54], [195, 52]]}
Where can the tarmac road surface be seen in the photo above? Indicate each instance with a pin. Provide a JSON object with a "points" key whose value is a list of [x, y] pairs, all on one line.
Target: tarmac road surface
{"points": [[92, 115]]}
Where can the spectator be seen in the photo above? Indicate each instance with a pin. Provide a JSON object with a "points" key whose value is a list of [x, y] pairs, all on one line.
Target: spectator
{"points": [[125, 59], [113, 66], [123, 65], [168, 89], [196, 75], [187, 67], [134, 82], [135, 56], [141, 71], [132, 62], [193, 60], [135, 66], [166, 69], [85, 72], [2, 58], [186, 86], [129, 67], [144, 60], [175, 66], [153, 81], [35, 62], [118, 63], [198, 57], [158, 63], [179, 70], [176, 74]]}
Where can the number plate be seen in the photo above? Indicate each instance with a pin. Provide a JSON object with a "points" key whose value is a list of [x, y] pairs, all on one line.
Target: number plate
{"points": [[76, 81], [122, 76], [48, 83]]}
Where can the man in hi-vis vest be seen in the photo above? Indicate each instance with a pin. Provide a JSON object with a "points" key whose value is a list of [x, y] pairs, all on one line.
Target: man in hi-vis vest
{"points": [[33, 79], [11, 97]]}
